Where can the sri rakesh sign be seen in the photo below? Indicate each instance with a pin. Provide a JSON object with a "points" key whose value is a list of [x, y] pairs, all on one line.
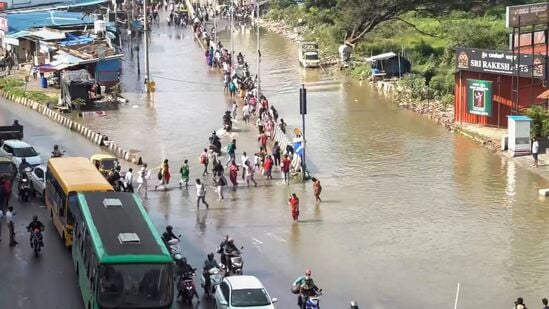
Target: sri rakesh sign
{"points": [[500, 62]]}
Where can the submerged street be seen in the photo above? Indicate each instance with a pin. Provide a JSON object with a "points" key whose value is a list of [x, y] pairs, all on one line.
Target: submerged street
{"points": [[409, 209]]}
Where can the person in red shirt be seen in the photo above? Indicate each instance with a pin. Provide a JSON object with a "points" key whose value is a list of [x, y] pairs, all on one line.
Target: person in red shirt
{"points": [[6, 192], [294, 206], [233, 174], [262, 139], [268, 167], [285, 168]]}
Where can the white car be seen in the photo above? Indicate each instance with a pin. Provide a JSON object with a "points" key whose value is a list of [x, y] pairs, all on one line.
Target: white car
{"points": [[16, 150], [242, 292], [38, 180]]}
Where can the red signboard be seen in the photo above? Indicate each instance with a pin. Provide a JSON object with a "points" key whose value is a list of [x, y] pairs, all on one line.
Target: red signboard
{"points": [[3, 6]]}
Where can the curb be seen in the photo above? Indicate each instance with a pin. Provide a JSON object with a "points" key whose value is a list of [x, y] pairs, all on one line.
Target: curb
{"points": [[132, 156]]}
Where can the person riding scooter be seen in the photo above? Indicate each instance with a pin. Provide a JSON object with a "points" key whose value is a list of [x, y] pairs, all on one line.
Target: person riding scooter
{"points": [[229, 251], [215, 142], [354, 305], [33, 226], [227, 122], [299, 283], [306, 290], [23, 166], [209, 264], [114, 177], [168, 235], [184, 272]]}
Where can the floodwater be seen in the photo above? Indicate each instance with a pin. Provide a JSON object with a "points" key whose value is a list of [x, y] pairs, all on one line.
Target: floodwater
{"points": [[410, 209]]}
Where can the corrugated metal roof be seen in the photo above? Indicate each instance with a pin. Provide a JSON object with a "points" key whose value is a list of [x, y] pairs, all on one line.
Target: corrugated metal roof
{"points": [[25, 21], [384, 56]]}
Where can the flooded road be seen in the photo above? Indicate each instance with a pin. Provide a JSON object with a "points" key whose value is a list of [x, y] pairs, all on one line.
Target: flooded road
{"points": [[410, 209]]}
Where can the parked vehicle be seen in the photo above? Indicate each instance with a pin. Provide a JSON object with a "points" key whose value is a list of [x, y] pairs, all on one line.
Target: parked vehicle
{"points": [[38, 181], [7, 168], [308, 55], [242, 291], [16, 150]]}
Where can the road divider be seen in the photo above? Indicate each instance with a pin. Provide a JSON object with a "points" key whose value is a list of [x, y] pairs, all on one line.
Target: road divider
{"points": [[101, 140]]}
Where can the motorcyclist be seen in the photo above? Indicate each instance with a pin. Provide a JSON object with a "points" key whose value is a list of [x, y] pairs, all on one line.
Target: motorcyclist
{"points": [[230, 251], [168, 235], [216, 142], [227, 120], [299, 283], [114, 177], [56, 153], [23, 166], [209, 264], [184, 272], [354, 305], [306, 290], [36, 225]]}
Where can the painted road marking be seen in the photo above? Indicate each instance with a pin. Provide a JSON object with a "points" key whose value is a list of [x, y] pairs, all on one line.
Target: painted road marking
{"points": [[257, 240], [274, 236]]}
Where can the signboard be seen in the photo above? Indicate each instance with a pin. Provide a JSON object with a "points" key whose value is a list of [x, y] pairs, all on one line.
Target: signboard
{"points": [[526, 39], [500, 62], [3, 24], [479, 97], [529, 14], [3, 6]]}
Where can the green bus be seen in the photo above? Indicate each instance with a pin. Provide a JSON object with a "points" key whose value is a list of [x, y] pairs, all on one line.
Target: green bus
{"points": [[119, 257]]}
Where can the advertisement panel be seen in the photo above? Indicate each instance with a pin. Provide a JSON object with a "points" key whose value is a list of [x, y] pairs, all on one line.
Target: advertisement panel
{"points": [[528, 14], [500, 62], [525, 39], [479, 97]]}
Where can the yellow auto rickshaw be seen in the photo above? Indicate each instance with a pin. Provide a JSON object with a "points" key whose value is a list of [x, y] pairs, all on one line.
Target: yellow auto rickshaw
{"points": [[7, 168], [105, 163]]}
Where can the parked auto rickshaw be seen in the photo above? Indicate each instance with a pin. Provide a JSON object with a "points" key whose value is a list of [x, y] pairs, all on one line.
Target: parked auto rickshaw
{"points": [[7, 168], [105, 163]]}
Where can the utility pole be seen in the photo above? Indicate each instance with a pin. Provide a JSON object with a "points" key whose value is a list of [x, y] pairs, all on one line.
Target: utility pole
{"points": [[232, 31], [258, 50], [303, 112], [146, 45]]}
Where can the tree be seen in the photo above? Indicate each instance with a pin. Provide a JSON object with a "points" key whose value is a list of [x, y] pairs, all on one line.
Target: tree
{"points": [[358, 17]]}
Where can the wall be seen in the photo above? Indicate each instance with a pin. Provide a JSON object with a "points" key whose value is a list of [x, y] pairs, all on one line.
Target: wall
{"points": [[501, 101]]}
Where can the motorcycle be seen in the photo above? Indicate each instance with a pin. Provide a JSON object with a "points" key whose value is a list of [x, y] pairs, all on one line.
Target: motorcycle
{"points": [[24, 186], [174, 247], [215, 145], [227, 122], [186, 288], [216, 276], [237, 263], [36, 241], [312, 302]]}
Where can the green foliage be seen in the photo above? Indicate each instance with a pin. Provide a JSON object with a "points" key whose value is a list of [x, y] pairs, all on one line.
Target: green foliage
{"points": [[539, 126], [15, 87]]}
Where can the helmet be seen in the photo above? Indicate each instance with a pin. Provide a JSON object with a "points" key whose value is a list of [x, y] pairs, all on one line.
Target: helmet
{"points": [[210, 256], [169, 228], [178, 257], [307, 272], [55, 147], [35, 217], [354, 305]]}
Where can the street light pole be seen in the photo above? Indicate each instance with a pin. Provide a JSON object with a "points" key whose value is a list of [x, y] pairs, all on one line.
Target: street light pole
{"points": [[232, 31], [303, 112], [146, 45], [258, 50]]}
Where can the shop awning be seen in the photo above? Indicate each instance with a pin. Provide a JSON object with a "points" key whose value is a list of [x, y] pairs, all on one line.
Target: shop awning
{"points": [[544, 95]]}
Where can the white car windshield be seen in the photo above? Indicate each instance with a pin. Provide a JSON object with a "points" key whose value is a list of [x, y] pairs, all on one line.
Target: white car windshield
{"points": [[24, 152], [249, 298]]}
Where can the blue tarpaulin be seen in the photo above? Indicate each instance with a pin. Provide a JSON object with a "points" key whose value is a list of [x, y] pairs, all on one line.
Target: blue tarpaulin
{"points": [[298, 148], [24, 21], [76, 40]]}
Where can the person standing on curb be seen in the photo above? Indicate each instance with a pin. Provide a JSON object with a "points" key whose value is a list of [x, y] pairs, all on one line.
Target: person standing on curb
{"points": [[200, 194], [293, 201], [535, 150], [142, 180], [11, 225], [233, 174], [204, 161], [285, 169], [184, 171], [317, 188], [231, 150]]}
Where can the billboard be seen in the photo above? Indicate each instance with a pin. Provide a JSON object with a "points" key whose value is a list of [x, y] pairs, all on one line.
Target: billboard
{"points": [[525, 39], [500, 62], [529, 14], [479, 97]]}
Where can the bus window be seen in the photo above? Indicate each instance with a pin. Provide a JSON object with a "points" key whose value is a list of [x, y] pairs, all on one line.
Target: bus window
{"points": [[73, 204]]}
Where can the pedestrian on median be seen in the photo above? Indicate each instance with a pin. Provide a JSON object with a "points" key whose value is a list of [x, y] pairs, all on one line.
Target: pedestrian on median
{"points": [[200, 194], [233, 174], [262, 139], [204, 160], [231, 150], [11, 225], [317, 188], [544, 302], [276, 154], [293, 201], [184, 171], [268, 167], [249, 171], [285, 169], [535, 151], [143, 179]]}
